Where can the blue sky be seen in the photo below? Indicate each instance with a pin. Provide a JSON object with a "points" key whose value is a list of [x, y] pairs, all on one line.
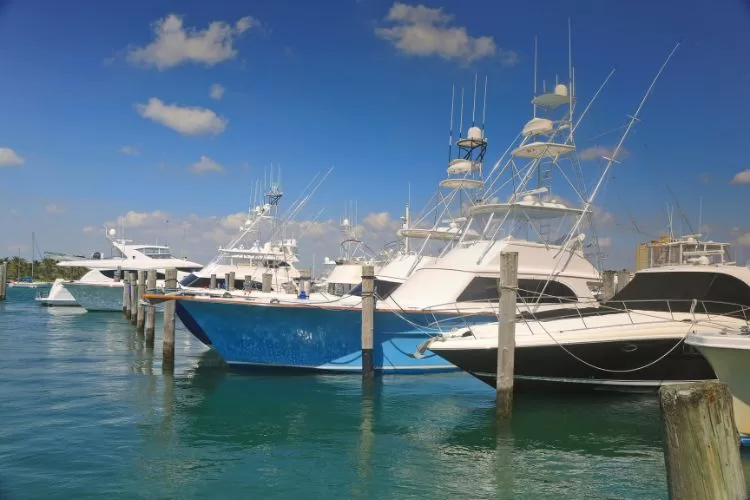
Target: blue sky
{"points": [[107, 110]]}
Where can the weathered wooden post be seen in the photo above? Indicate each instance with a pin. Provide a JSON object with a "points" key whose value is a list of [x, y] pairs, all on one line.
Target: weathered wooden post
{"points": [[126, 296], [701, 445], [133, 296], [170, 283], [212, 284], [247, 284], [623, 278], [266, 284], [608, 285], [232, 277], [141, 310], [506, 334], [150, 310], [227, 285], [368, 320], [118, 275], [3, 280]]}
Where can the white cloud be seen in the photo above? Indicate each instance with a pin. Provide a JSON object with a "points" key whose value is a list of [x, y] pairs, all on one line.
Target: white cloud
{"points": [[205, 166], [378, 220], [183, 119], [133, 219], [605, 242], [130, 150], [216, 91], [9, 158], [424, 31], [174, 45], [55, 209], [596, 152], [739, 178], [744, 240]]}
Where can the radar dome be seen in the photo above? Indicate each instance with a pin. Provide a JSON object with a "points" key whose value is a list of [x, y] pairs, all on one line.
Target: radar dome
{"points": [[475, 133], [561, 89], [112, 232]]}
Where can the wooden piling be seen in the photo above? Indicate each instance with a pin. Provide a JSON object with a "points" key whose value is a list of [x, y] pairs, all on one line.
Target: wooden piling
{"points": [[247, 284], [212, 284], [140, 324], [3, 280], [170, 283], [226, 282], [126, 296], [701, 445], [368, 320], [609, 285], [133, 296], [150, 310], [118, 275], [266, 284], [506, 334], [232, 277]]}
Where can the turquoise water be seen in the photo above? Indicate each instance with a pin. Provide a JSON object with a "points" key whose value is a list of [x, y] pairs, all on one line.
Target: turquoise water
{"points": [[86, 412]]}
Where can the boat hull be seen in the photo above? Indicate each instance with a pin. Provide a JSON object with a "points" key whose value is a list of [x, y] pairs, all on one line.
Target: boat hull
{"points": [[309, 338], [58, 296], [97, 296], [730, 358], [551, 367]]}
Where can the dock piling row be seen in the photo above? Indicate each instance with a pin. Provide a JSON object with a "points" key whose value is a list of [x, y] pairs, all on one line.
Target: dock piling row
{"points": [[133, 297]]}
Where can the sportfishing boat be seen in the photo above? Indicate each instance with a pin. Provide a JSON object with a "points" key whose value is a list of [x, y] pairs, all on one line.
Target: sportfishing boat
{"points": [[728, 352], [101, 289], [260, 255], [456, 287]]}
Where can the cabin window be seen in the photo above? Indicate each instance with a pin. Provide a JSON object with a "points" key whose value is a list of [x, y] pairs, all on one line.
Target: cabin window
{"points": [[156, 252], [197, 282], [483, 289], [718, 293], [383, 289]]}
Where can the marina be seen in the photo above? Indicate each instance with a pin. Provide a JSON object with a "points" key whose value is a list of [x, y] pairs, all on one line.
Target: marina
{"points": [[512, 317]]}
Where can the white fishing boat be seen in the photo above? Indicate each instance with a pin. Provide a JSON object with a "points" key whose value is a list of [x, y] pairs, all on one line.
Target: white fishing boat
{"points": [[260, 255], [101, 289]]}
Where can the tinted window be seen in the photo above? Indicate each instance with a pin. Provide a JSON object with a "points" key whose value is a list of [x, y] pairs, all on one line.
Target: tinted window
{"points": [[383, 289], [482, 289], [650, 291]]}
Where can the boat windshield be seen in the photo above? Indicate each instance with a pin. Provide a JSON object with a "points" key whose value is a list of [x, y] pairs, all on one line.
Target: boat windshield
{"points": [[717, 293], [156, 252], [383, 289]]}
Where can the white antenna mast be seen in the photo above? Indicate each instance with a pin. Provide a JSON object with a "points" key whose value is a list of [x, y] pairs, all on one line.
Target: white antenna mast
{"points": [[700, 213], [450, 134], [461, 120], [474, 105], [535, 65], [484, 106]]}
